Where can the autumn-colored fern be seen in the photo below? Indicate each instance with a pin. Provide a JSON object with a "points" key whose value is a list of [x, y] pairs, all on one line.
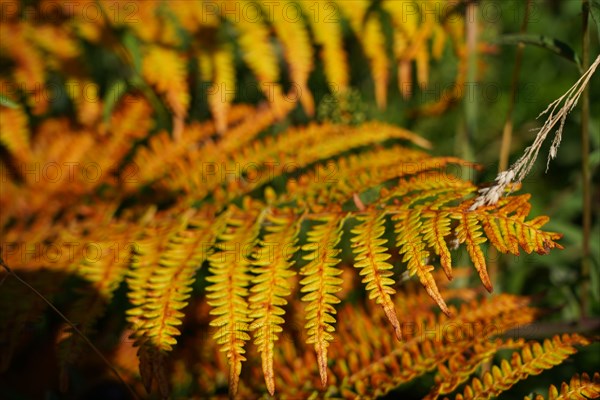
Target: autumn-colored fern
{"points": [[210, 215]]}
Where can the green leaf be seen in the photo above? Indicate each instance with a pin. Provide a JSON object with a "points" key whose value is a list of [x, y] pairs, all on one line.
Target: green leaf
{"points": [[554, 45], [5, 101], [112, 97], [595, 13]]}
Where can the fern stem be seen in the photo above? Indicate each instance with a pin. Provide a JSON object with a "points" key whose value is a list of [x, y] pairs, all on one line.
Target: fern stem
{"points": [[585, 169], [71, 325]]}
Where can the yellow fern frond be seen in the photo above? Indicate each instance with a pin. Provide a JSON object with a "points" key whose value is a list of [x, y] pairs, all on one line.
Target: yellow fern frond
{"points": [[166, 70], [220, 94], [254, 40], [371, 259], [579, 388], [161, 284], [370, 35], [533, 359], [436, 227], [298, 49], [320, 284], [323, 19], [271, 286], [228, 292]]}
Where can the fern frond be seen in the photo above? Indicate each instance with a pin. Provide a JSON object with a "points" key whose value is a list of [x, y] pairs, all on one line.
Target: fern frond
{"points": [[371, 259], [370, 363], [14, 126], [533, 359], [85, 96], [164, 153], [320, 284], [223, 83], [258, 53], [160, 284], [469, 231], [328, 34], [459, 367], [318, 142], [271, 286], [433, 215], [29, 71], [228, 292], [166, 70], [298, 51], [412, 245], [132, 118], [579, 388], [372, 39], [435, 228], [432, 341]]}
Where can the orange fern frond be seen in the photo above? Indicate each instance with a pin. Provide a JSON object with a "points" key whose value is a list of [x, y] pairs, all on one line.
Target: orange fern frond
{"points": [[14, 125], [86, 97], [28, 72], [318, 141], [434, 214], [132, 118], [412, 245]]}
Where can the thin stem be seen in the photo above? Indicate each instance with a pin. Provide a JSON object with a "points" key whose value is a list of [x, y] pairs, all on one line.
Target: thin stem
{"points": [[585, 169], [470, 103], [72, 325], [507, 133], [508, 124]]}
